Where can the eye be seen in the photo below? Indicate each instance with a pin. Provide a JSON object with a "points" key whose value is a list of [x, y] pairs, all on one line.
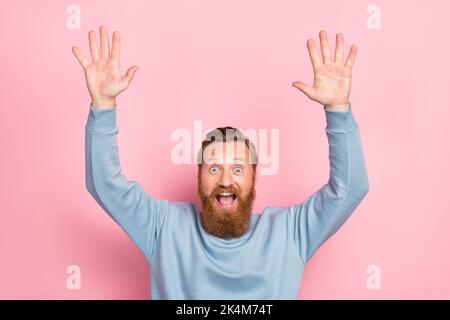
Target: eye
{"points": [[238, 170], [214, 169]]}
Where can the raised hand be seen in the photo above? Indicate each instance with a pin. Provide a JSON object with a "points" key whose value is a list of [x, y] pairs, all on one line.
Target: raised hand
{"points": [[103, 77], [332, 80]]}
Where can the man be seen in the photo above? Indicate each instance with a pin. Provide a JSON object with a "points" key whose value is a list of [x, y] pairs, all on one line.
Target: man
{"points": [[225, 251]]}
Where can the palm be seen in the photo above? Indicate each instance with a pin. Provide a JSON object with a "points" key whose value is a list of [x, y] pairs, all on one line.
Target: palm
{"points": [[104, 79], [103, 75], [331, 83], [332, 79]]}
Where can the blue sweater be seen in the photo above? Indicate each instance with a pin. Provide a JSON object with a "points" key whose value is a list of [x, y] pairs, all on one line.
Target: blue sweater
{"points": [[267, 262]]}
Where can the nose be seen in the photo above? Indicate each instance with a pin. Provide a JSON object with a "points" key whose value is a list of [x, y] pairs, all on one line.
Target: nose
{"points": [[225, 179]]}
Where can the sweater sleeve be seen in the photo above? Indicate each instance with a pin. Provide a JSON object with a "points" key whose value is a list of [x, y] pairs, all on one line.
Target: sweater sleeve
{"points": [[139, 214], [321, 214]]}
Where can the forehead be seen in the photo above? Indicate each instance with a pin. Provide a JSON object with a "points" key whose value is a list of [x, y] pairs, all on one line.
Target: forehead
{"points": [[227, 152]]}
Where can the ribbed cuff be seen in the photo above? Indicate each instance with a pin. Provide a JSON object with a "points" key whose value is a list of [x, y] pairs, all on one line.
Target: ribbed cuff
{"points": [[339, 121], [103, 121]]}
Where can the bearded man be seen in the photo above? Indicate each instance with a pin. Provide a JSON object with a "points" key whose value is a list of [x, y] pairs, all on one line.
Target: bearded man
{"points": [[225, 250]]}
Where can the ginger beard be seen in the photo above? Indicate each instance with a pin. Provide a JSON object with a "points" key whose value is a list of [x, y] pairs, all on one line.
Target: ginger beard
{"points": [[229, 221]]}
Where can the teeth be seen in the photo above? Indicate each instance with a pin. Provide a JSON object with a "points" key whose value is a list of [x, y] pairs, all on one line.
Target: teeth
{"points": [[226, 194]]}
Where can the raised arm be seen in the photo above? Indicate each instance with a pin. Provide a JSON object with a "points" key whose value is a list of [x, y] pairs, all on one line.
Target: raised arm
{"points": [[140, 215], [315, 220]]}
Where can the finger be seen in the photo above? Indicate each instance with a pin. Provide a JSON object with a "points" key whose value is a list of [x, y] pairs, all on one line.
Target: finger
{"points": [[314, 56], [304, 88], [115, 51], [81, 59], [351, 57], [93, 46], [339, 52], [326, 53], [126, 79], [104, 42]]}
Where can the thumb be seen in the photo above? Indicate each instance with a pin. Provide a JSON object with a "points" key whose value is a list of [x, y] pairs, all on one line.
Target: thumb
{"points": [[126, 79], [303, 88]]}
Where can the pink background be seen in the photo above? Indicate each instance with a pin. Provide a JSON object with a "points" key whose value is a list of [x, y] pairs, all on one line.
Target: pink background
{"points": [[225, 63]]}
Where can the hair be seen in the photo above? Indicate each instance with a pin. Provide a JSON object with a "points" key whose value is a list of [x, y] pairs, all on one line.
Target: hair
{"points": [[226, 134]]}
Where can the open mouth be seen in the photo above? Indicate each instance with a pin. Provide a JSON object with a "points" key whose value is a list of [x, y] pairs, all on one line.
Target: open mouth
{"points": [[226, 200]]}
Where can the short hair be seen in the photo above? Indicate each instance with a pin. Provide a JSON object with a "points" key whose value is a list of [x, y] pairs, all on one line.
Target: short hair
{"points": [[226, 134]]}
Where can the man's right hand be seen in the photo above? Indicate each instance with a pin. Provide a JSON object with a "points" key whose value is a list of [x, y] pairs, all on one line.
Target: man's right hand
{"points": [[103, 77]]}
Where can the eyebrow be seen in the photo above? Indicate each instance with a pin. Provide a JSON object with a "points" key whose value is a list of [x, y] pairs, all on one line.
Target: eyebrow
{"points": [[215, 159]]}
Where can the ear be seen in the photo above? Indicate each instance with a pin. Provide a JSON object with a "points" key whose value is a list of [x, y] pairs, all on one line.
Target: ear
{"points": [[255, 173], [199, 172]]}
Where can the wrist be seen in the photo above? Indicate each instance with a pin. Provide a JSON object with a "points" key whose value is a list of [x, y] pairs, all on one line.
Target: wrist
{"points": [[341, 107], [102, 103]]}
